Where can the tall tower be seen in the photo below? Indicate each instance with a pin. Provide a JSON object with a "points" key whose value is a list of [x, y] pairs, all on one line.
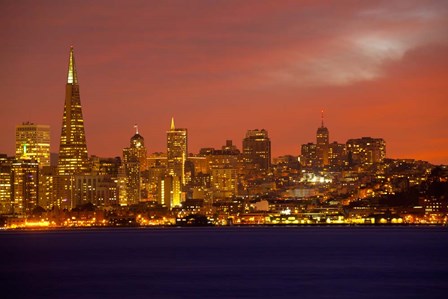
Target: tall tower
{"points": [[177, 151], [73, 158], [322, 143], [322, 135], [134, 162], [33, 141]]}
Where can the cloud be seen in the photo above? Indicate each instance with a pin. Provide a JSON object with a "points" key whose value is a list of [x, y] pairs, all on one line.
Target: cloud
{"points": [[359, 53]]}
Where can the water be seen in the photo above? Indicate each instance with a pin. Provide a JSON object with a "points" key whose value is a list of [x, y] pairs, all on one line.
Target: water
{"points": [[239, 262]]}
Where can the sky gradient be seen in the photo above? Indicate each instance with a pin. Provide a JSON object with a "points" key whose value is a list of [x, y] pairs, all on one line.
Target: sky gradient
{"points": [[377, 68]]}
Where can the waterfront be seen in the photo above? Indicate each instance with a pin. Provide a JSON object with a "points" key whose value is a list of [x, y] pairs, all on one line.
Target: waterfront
{"points": [[220, 262]]}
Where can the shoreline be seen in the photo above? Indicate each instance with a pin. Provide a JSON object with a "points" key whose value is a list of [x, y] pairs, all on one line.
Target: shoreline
{"points": [[255, 226]]}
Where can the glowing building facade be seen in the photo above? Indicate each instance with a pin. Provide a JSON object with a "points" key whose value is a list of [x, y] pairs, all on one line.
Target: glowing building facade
{"points": [[323, 154], [177, 153], [366, 151], [73, 158], [134, 162], [25, 176], [257, 149], [322, 144], [33, 141], [5, 184]]}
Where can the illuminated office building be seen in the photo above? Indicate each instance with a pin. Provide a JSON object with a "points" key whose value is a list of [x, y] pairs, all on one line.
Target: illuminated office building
{"points": [[257, 149], [33, 141], [222, 165], [47, 192], [322, 153], [134, 162], [25, 176], [73, 158], [322, 143], [177, 151], [171, 186], [99, 190], [137, 151], [308, 155], [366, 151], [5, 184], [156, 171], [224, 181], [170, 192]]}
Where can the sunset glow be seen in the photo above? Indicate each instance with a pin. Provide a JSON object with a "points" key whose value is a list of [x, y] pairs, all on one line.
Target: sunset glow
{"points": [[377, 68]]}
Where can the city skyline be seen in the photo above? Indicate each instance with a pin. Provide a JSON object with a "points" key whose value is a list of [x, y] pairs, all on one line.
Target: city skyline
{"points": [[254, 67]]}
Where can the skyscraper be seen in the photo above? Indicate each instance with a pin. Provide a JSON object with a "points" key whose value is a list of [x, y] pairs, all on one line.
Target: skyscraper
{"points": [[177, 151], [25, 175], [134, 162], [5, 184], [73, 158], [257, 149], [322, 141], [33, 141]]}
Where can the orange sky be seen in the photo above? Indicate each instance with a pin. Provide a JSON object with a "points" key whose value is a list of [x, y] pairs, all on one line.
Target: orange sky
{"points": [[377, 68]]}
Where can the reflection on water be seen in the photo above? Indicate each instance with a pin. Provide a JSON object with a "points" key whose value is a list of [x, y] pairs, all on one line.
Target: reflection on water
{"points": [[295, 262]]}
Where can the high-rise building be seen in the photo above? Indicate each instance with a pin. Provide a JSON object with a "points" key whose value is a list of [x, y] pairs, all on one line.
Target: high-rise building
{"points": [[322, 153], [25, 176], [308, 155], [134, 162], [366, 151], [73, 158], [177, 151], [171, 186], [170, 191], [156, 171], [5, 184], [33, 141], [257, 149], [222, 165], [47, 192], [322, 141], [137, 151]]}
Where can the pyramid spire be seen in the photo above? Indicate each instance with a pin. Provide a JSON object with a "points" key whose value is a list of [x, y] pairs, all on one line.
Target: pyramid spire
{"points": [[172, 124], [73, 156], [136, 128], [72, 77]]}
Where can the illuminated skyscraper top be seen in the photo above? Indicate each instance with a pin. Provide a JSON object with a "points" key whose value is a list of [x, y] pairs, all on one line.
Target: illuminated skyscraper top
{"points": [[73, 158], [177, 151], [173, 127], [72, 77], [322, 136], [322, 142]]}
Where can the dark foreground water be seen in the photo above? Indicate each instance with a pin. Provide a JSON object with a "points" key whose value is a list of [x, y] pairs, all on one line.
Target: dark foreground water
{"points": [[260, 262]]}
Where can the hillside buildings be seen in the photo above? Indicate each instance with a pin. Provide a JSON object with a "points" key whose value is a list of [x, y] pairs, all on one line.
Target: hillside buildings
{"points": [[328, 183]]}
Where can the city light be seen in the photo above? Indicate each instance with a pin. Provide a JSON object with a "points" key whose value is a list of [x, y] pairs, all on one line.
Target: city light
{"points": [[329, 183]]}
